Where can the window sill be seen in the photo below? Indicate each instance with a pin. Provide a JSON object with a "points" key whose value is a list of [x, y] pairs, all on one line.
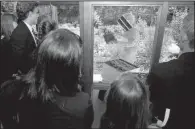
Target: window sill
{"points": [[104, 85], [101, 85]]}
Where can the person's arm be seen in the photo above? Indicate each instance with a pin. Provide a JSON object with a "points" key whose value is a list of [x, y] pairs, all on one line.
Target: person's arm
{"points": [[10, 92], [157, 89], [33, 57], [18, 48]]}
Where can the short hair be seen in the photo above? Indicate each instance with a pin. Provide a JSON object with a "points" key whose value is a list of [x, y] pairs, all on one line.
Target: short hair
{"points": [[188, 27], [45, 25], [57, 67], [7, 26], [127, 104], [24, 7]]}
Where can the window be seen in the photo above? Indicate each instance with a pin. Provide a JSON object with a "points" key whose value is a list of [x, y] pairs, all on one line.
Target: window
{"points": [[170, 48], [117, 50]]}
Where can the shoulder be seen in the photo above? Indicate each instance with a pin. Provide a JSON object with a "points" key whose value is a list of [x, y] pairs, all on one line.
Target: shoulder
{"points": [[21, 29], [82, 99], [165, 72], [12, 88], [77, 105], [166, 69], [82, 95]]}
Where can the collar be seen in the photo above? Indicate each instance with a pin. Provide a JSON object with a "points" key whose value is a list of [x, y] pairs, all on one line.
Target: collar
{"points": [[29, 27]]}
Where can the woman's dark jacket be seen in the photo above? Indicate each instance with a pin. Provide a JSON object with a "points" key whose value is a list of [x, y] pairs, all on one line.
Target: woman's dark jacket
{"points": [[67, 112]]}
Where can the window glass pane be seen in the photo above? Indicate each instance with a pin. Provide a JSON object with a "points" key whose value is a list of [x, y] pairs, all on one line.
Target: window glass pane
{"points": [[117, 50], [170, 48]]}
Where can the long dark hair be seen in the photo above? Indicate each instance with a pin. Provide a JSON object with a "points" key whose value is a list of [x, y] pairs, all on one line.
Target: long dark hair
{"points": [[127, 104], [58, 66]]}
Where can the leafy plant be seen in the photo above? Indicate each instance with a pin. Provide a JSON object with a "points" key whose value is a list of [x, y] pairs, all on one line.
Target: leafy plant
{"points": [[8, 6]]}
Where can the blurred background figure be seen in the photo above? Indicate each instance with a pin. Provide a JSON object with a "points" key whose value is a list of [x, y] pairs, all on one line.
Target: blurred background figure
{"points": [[8, 24], [44, 25], [127, 104]]}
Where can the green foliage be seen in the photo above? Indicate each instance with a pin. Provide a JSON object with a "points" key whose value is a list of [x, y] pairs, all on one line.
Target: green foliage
{"points": [[144, 46], [8, 6], [172, 31], [68, 13], [45, 10], [97, 21], [177, 22], [145, 34], [110, 14]]}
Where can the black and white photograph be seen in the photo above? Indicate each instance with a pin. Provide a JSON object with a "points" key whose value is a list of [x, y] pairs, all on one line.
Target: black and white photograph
{"points": [[97, 65]]}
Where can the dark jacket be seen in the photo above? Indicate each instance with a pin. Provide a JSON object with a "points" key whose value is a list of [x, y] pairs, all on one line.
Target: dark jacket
{"points": [[67, 112], [4, 56], [21, 46], [172, 86]]}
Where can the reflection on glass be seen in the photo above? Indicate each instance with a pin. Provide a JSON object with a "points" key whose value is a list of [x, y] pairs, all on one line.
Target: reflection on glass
{"points": [[67, 15], [117, 46], [170, 49]]}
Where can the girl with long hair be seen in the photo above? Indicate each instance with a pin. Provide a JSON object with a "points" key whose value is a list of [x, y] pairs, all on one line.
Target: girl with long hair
{"points": [[127, 104]]}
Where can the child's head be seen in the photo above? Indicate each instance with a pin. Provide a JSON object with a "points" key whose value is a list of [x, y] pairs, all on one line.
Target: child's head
{"points": [[127, 103], [44, 25], [57, 66]]}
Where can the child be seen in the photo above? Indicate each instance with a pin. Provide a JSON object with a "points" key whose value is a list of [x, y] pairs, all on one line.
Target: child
{"points": [[127, 103]]}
